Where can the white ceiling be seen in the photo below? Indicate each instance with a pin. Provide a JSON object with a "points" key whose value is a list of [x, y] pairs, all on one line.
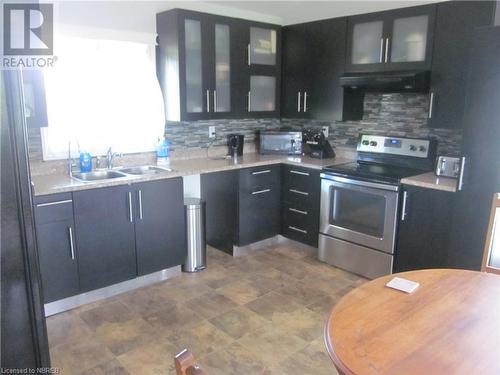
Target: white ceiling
{"points": [[291, 12], [139, 15]]}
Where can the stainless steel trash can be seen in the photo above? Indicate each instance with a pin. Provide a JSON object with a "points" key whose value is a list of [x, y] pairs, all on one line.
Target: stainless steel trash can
{"points": [[196, 258]]}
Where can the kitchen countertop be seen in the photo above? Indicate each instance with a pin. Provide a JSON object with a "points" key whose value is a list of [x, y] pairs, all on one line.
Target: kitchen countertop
{"points": [[431, 181], [60, 183]]}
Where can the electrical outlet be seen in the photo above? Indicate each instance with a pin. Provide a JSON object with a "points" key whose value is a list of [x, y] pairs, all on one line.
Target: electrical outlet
{"points": [[211, 132], [325, 130]]}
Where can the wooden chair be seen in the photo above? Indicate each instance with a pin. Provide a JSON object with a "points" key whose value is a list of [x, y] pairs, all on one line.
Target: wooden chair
{"points": [[492, 238], [184, 364]]}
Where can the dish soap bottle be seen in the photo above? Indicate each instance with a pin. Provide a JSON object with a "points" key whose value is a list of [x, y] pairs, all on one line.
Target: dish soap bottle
{"points": [[85, 162], [163, 153]]}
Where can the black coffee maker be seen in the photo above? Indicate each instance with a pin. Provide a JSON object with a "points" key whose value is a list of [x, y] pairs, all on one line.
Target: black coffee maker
{"points": [[316, 145], [235, 144]]}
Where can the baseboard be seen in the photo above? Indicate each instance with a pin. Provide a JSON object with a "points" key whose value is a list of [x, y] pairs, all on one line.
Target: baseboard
{"points": [[109, 291]]}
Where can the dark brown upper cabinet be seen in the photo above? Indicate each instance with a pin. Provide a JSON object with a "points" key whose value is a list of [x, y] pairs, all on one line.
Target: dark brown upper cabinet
{"points": [[398, 39], [194, 65], [455, 23], [260, 72], [313, 61], [213, 67]]}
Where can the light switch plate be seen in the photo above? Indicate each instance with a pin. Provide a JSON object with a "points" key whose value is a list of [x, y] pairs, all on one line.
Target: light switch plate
{"points": [[325, 130], [211, 132]]}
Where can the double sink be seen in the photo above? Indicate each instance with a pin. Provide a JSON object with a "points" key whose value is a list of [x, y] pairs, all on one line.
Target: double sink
{"points": [[111, 174]]}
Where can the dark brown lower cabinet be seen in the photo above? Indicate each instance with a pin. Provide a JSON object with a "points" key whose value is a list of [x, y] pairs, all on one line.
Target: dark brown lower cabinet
{"points": [[423, 234], [159, 225], [57, 252], [105, 236], [300, 204], [258, 204], [242, 206]]}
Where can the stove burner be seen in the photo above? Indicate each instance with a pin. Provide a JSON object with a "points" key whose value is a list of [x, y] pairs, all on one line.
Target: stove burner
{"points": [[372, 172]]}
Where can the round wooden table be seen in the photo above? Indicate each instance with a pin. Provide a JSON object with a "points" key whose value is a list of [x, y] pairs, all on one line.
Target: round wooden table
{"points": [[449, 325]]}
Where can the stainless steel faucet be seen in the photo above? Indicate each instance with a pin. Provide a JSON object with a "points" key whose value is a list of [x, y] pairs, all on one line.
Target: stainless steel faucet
{"points": [[110, 156]]}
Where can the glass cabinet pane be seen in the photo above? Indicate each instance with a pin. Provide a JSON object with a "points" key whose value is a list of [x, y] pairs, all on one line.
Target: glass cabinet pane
{"points": [[222, 95], [262, 46], [194, 76], [409, 39], [262, 93], [366, 42]]}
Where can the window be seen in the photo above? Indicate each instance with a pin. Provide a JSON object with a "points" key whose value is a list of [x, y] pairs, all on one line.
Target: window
{"points": [[102, 93]]}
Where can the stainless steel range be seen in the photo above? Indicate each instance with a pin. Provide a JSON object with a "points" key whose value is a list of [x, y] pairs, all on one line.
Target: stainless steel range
{"points": [[360, 202]]}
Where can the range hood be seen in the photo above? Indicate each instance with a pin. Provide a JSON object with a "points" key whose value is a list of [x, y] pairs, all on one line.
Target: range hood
{"points": [[407, 81]]}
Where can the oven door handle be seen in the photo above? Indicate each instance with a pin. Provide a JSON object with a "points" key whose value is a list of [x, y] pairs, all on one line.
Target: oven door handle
{"points": [[404, 212], [368, 184]]}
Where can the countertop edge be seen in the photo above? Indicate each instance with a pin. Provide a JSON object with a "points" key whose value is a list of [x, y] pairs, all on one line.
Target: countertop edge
{"points": [[73, 185], [430, 181]]}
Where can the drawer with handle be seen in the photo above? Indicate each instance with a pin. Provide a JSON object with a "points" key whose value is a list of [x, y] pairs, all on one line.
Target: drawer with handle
{"points": [[302, 179], [301, 198], [259, 178], [298, 228], [301, 217], [51, 208]]}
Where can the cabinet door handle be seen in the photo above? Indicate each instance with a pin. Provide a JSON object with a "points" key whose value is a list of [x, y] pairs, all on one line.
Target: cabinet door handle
{"points": [[298, 192], [248, 53], [381, 54], [130, 208], [54, 203], [298, 101], [387, 50], [249, 101], [404, 214], [262, 172], [297, 229], [297, 211], [299, 172], [461, 175], [215, 100], [71, 244], [305, 101], [431, 105], [140, 204], [208, 100], [261, 191]]}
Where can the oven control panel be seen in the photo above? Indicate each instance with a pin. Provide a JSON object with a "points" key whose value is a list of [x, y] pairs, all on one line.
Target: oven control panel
{"points": [[394, 145]]}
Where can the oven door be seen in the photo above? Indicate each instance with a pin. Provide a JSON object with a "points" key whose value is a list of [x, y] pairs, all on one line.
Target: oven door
{"points": [[361, 212]]}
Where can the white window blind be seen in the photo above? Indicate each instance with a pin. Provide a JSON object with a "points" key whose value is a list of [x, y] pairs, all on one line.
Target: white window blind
{"points": [[102, 93]]}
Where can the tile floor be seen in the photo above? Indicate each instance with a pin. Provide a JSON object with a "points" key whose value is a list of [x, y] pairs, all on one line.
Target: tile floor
{"points": [[261, 313]]}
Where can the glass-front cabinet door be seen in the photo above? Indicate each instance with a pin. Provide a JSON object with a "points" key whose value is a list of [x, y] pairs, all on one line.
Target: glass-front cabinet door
{"points": [[409, 41], [263, 46], [263, 69], [392, 40], [262, 94], [208, 67], [222, 91], [194, 66], [367, 43]]}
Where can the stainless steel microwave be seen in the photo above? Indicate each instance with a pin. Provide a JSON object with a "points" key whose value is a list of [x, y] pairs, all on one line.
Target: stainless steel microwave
{"points": [[276, 142]]}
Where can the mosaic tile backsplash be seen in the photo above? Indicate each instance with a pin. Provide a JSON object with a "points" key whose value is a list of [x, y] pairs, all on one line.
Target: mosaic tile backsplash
{"points": [[393, 114]]}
